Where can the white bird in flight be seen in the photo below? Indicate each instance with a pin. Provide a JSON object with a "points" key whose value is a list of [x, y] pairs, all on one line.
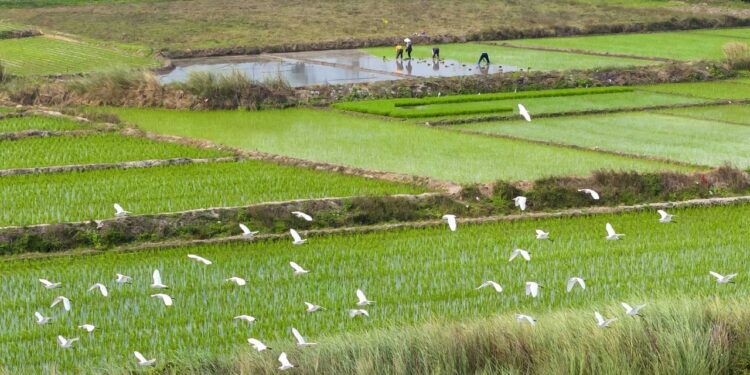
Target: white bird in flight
{"points": [[523, 253], [301, 340], [119, 212], [311, 308], [123, 279], [298, 270], [237, 280], [245, 318], [41, 319], [542, 235], [363, 301], [200, 259], [632, 311], [493, 284], [87, 327], [525, 318], [594, 195], [297, 239], [532, 289], [164, 298], [451, 219], [66, 343], [102, 289], [302, 215], [358, 312], [611, 234], [246, 232], [285, 364], [65, 302], [601, 322], [142, 361], [520, 202], [48, 284], [665, 217], [524, 113], [721, 279], [572, 283], [156, 280], [257, 344]]}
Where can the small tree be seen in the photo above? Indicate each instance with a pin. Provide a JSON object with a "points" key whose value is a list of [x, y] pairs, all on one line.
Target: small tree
{"points": [[737, 54]]}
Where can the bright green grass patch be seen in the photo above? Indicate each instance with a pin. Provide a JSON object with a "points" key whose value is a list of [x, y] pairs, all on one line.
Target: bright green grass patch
{"points": [[45, 56], [415, 275], [680, 45], [16, 124], [92, 149], [735, 114], [739, 33], [468, 53], [710, 90], [382, 145], [688, 140], [63, 197]]}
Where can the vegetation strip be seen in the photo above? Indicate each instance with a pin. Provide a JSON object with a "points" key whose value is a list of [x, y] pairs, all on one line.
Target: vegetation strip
{"points": [[45, 133], [505, 95], [122, 165], [583, 52]]}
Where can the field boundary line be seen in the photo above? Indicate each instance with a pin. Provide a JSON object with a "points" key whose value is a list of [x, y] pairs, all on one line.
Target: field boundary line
{"points": [[582, 52], [680, 115], [121, 165], [48, 133], [568, 213]]}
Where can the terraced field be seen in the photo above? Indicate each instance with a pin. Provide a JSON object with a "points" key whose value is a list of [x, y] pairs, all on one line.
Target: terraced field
{"points": [[18, 124], [733, 114], [416, 276]]}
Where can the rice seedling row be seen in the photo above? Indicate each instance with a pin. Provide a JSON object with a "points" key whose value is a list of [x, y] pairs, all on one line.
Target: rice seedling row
{"points": [[415, 276], [733, 114], [17, 124], [730, 89]]}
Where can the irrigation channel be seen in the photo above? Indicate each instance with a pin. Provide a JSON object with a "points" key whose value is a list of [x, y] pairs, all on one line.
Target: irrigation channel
{"points": [[325, 67]]}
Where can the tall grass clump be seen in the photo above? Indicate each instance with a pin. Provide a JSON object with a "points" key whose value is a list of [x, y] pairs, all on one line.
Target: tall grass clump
{"points": [[237, 90], [737, 55], [118, 88]]}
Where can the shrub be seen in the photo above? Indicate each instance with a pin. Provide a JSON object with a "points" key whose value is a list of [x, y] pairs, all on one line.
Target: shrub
{"points": [[236, 90], [737, 54]]}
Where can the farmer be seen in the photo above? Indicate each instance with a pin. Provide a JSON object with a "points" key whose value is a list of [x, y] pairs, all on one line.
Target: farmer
{"points": [[484, 56], [408, 47], [399, 51], [435, 53]]}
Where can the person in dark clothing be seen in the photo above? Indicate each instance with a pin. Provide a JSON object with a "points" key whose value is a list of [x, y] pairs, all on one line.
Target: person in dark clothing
{"points": [[408, 47], [484, 56], [399, 52], [435, 53]]}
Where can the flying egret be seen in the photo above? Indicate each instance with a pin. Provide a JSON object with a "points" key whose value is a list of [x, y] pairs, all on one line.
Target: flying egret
{"points": [[611, 234], [87, 327], [66, 343], [363, 301], [523, 253], [542, 235], [451, 219], [721, 279], [594, 195], [301, 340], [601, 322], [358, 312], [246, 232], [48, 284], [237, 280], [245, 318], [493, 284], [257, 344], [142, 361], [665, 217], [632, 311], [524, 113], [102, 289], [298, 270], [525, 318], [572, 283], [302, 215], [41, 319], [200, 259], [156, 281], [311, 308], [65, 302], [285, 364], [119, 212], [296, 237], [520, 202], [164, 298], [123, 279], [532, 289]]}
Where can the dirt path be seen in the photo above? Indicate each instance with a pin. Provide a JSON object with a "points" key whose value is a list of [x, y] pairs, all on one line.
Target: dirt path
{"points": [[123, 165]]}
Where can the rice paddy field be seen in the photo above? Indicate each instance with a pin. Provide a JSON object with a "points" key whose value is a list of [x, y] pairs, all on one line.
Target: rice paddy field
{"points": [[18, 124], [414, 275]]}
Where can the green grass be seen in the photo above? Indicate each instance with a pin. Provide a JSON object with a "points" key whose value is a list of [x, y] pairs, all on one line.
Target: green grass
{"points": [[688, 140], [382, 145], [732, 89], [415, 275], [63, 197], [47, 56], [468, 53], [682, 45], [17, 124], [92, 149], [734, 114]]}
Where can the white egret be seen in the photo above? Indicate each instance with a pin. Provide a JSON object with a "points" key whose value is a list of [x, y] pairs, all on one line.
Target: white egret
{"points": [[246, 232], [285, 364], [301, 340], [721, 279], [102, 289], [363, 301], [520, 202], [245, 318], [524, 113], [142, 361], [87, 327], [123, 279], [542, 235], [664, 216], [611, 234], [257, 344], [532, 289], [49, 285], [41, 319], [237, 280], [66, 343], [311, 308], [601, 322], [493, 284], [200, 259], [525, 318], [119, 212], [297, 239], [164, 298], [451, 219], [64, 300], [572, 283], [298, 270], [632, 311], [302, 215], [594, 195], [358, 312], [523, 253], [156, 281]]}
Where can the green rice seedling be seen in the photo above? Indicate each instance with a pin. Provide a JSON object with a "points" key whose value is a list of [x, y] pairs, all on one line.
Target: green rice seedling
{"points": [[17, 124], [416, 276], [731, 89], [733, 114]]}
